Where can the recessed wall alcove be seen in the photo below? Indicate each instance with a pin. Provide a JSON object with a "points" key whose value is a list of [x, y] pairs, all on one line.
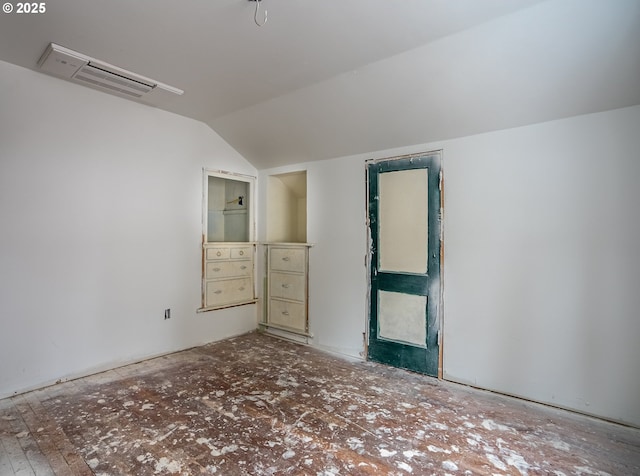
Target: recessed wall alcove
{"points": [[287, 208]]}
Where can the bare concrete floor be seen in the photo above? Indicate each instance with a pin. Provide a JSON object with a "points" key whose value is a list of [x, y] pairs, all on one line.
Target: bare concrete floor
{"points": [[255, 405]]}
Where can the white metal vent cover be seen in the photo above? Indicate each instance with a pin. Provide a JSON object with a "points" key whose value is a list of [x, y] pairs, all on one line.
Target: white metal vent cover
{"points": [[73, 66]]}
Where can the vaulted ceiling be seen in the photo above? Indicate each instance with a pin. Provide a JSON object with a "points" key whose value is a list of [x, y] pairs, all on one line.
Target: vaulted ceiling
{"points": [[331, 78]]}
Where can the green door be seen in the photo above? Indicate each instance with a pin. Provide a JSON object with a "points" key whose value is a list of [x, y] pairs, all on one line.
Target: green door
{"points": [[404, 225]]}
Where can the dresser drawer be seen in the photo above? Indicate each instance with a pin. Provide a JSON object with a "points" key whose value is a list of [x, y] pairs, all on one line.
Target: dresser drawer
{"points": [[217, 253], [241, 253], [228, 291], [214, 269], [287, 259], [288, 286], [287, 314], [241, 268], [227, 269]]}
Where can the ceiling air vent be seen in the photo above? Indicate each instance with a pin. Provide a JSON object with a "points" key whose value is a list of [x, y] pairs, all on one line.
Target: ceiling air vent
{"points": [[76, 67], [115, 82]]}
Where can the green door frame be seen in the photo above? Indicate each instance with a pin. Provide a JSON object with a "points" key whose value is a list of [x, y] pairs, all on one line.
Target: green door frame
{"points": [[420, 359]]}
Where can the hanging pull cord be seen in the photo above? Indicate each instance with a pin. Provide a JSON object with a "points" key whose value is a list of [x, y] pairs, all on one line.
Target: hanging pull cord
{"points": [[255, 15]]}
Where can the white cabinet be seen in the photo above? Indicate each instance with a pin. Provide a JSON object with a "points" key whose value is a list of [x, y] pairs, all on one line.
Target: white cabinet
{"points": [[288, 286], [228, 274]]}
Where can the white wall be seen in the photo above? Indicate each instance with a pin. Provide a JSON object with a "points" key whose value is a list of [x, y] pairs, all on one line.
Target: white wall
{"points": [[100, 205], [541, 267]]}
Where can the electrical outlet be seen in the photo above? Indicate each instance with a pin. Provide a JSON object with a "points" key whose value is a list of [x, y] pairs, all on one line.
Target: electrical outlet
{"points": [[167, 313]]}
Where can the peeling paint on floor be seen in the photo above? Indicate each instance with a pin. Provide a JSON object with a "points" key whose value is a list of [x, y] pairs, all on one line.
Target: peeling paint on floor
{"points": [[255, 405]]}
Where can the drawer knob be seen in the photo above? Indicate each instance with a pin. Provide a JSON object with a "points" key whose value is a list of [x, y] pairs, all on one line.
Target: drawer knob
{"points": [[219, 253], [286, 286], [241, 289], [285, 313], [217, 292], [241, 252], [286, 258], [243, 267], [216, 269]]}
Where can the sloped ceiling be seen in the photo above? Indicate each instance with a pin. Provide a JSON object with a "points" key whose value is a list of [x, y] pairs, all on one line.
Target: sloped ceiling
{"points": [[324, 79]]}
